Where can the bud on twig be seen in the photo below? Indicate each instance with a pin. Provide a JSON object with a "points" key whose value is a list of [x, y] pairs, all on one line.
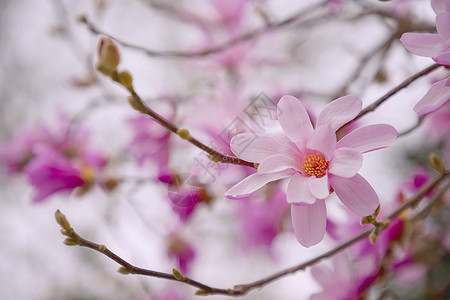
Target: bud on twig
{"points": [[124, 271], [184, 133], [126, 79], [437, 162], [178, 275], [62, 221], [108, 56]]}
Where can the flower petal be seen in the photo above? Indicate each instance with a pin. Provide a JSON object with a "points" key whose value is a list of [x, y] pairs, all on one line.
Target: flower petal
{"points": [[438, 6], [356, 193], [309, 222], [256, 148], [443, 25], [319, 187], [437, 95], [294, 119], [346, 162], [443, 59], [369, 138], [254, 182], [323, 139], [298, 191], [423, 44], [277, 163], [339, 111]]}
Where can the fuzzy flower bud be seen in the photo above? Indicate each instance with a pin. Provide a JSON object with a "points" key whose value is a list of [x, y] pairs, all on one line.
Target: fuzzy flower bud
{"points": [[108, 56]]}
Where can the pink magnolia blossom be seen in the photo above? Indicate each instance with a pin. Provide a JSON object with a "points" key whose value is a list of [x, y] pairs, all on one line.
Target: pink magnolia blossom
{"points": [[50, 172], [436, 46], [150, 142], [261, 219], [315, 163], [346, 279]]}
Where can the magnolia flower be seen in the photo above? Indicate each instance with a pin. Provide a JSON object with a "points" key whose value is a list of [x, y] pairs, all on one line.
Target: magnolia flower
{"points": [[346, 279], [50, 172], [314, 161], [436, 46]]}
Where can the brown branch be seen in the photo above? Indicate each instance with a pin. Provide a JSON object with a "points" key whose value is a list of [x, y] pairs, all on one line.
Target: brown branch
{"points": [[372, 107], [215, 49], [216, 156], [414, 127], [238, 290]]}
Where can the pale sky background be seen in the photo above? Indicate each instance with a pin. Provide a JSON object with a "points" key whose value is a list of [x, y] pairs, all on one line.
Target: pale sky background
{"points": [[38, 64]]}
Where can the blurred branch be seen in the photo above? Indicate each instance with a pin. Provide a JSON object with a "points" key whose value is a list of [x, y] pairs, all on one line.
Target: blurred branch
{"points": [[126, 268], [414, 127], [372, 107], [215, 49]]}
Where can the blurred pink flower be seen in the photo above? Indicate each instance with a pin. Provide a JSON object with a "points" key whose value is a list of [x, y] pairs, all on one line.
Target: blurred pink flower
{"points": [[314, 161], [183, 252], [150, 141], [261, 219], [17, 153], [50, 172], [436, 46], [346, 280]]}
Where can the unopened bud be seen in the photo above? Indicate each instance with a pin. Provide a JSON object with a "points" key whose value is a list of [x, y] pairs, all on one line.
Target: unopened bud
{"points": [[213, 158], [178, 275], [201, 293], [126, 79], [437, 162], [372, 218], [108, 56], [70, 242], [184, 133], [373, 237], [124, 271], [136, 105], [62, 221]]}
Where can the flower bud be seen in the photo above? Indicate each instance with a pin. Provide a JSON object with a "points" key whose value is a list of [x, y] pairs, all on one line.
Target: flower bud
{"points": [[108, 56], [126, 79], [178, 275], [437, 162], [184, 133], [62, 221]]}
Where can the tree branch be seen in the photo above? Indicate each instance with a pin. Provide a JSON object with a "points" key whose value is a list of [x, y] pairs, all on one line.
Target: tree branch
{"points": [[126, 268], [213, 50]]}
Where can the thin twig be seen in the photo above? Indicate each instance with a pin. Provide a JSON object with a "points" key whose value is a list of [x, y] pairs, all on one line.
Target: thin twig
{"points": [[238, 290], [392, 92], [213, 50], [414, 127], [215, 155]]}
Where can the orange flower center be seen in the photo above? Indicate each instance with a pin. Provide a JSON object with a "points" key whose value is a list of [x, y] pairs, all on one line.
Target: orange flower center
{"points": [[315, 165]]}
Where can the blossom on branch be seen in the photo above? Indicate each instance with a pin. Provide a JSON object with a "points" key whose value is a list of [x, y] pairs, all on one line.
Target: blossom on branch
{"points": [[50, 172], [314, 161], [436, 46]]}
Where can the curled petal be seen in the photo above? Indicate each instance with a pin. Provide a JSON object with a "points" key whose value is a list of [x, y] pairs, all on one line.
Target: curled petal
{"points": [[298, 191], [423, 44], [437, 95], [277, 163], [294, 119], [309, 222], [254, 182], [346, 162], [356, 193], [369, 138], [339, 112], [323, 139], [319, 187]]}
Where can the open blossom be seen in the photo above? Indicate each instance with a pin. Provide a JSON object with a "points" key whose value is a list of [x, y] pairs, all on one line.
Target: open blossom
{"points": [[436, 46], [50, 172], [314, 161]]}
